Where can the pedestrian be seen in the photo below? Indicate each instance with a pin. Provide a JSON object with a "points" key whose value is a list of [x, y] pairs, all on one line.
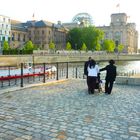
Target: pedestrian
{"points": [[86, 65], [85, 68], [111, 72], [93, 71]]}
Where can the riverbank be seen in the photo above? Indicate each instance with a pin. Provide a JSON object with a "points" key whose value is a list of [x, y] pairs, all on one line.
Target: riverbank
{"points": [[9, 60]]}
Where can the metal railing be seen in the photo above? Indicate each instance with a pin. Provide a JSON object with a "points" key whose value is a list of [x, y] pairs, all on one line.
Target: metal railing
{"points": [[38, 73], [129, 73]]}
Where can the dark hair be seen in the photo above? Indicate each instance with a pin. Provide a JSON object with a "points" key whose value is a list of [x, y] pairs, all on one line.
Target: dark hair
{"points": [[111, 62], [92, 63], [89, 58]]}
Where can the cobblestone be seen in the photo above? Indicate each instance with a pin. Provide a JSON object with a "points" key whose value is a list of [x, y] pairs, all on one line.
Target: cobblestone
{"points": [[65, 111]]}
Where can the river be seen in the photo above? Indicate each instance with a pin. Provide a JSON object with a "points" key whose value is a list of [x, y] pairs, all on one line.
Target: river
{"points": [[131, 67]]}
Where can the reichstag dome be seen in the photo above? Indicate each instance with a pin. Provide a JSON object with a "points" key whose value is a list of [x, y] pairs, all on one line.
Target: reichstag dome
{"points": [[83, 17]]}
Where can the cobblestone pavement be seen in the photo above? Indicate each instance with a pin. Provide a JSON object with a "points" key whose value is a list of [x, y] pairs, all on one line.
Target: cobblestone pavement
{"points": [[65, 111]]}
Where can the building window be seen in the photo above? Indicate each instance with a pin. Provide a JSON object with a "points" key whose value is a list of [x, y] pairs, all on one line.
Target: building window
{"points": [[18, 37], [13, 37], [3, 38], [24, 38], [117, 35]]}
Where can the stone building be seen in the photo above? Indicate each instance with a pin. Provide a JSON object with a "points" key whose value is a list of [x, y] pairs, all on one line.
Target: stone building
{"points": [[5, 30], [122, 32], [19, 34], [41, 33]]}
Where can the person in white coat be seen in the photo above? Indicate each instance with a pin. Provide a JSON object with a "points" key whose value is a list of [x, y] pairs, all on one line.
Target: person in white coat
{"points": [[93, 71]]}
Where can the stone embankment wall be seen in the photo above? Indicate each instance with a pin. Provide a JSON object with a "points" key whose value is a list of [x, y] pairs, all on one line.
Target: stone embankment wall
{"points": [[128, 80], [51, 58]]}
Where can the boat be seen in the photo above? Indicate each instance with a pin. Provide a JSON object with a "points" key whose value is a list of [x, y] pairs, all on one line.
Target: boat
{"points": [[15, 73]]}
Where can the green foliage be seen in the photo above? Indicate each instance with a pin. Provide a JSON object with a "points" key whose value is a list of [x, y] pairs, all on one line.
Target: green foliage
{"points": [[29, 46], [52, 46], [68, 46], [35, 47], [91, 36], [84, 47], [120, 47], [98, 47], [6, 46], [109, 45]]}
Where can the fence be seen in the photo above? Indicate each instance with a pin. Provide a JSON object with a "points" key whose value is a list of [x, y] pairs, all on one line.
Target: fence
{"points": [[44, 72], [39, 73]]}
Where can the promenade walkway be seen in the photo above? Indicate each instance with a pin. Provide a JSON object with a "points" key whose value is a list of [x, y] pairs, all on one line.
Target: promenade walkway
{"points": [[64, 111]]}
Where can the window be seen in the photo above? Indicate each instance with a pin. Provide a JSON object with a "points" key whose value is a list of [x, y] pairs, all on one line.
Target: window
{"points": [[118, 20], [24, 38], [13, 37], [18, 37]]}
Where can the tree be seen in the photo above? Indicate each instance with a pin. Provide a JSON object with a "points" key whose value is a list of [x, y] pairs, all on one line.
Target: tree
{"points": [[52, 46], [6, 46], [120, 48], [68, 46], [91, 36], [98, 47], [75, 37], [109, 45], [84, 47], [29, 45]]}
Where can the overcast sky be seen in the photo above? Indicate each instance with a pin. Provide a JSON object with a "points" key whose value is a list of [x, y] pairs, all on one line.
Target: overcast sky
{"points": [[65, 10]]}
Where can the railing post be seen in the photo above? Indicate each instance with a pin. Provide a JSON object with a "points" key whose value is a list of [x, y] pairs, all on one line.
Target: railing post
{"points": [[44, 66], [76, 73], [67, 71], [57, 71], [9, 70], [21, 83]]}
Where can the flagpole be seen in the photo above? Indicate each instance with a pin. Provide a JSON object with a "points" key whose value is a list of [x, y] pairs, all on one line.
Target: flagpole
{"points": [[118, 6]]}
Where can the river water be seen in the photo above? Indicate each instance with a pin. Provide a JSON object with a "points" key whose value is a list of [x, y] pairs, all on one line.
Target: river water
{"points": [[124, 67]]}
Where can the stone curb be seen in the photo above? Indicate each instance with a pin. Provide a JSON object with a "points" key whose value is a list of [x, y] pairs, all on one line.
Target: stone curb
{"points": [[12, 89]]}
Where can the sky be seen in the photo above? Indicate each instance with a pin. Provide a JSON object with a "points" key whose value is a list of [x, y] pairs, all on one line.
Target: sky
{"points": [[65, 10]]}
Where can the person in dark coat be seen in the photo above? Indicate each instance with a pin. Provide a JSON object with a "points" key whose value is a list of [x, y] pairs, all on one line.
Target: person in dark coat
{"points": [[111, 72], [86, 68]]}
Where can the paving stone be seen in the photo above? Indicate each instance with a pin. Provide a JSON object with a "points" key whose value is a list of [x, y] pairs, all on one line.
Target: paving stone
{"points": [[65, 111]]}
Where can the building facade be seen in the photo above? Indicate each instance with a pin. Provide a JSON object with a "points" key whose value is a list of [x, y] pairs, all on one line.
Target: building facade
{"points": [[41, 33], [5, 30], [122, 32], [19, 34]]}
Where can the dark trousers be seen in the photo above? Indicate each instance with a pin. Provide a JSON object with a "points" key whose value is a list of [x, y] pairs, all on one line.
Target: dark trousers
{"points": [[91, 82], [108, 86]]}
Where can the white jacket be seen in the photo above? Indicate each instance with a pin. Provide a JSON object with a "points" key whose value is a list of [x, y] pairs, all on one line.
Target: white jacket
{"points": [[93, 71]]}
